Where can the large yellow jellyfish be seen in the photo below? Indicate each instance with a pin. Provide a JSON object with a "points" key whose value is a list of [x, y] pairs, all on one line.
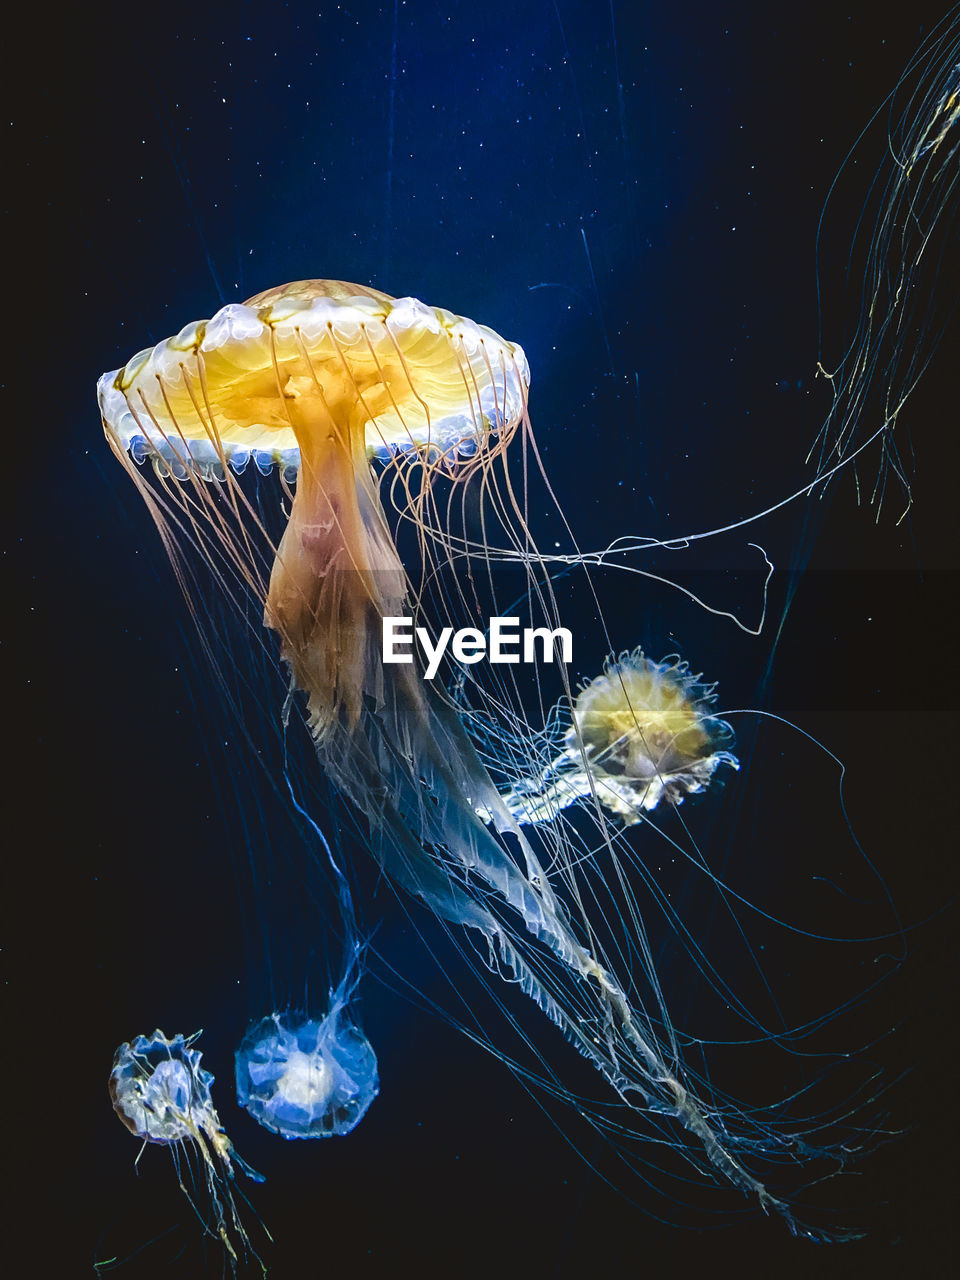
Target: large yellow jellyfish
{"points": [[318, 376], [321, 379]]}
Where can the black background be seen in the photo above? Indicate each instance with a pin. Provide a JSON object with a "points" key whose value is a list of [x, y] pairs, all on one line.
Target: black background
{"points": [[652, 247]]}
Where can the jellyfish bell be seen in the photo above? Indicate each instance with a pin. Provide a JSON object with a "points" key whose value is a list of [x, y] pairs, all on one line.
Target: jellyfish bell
{"points": [[160, 1091], [304, 1077], [649, 722], [640, 733], [163, 1095]]}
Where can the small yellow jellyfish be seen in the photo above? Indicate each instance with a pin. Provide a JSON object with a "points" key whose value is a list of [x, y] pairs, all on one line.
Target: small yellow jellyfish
{"points": [[640, 733]]}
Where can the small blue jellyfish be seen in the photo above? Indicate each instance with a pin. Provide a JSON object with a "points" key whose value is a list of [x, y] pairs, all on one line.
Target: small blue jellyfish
{"points": [[304, 1077], [162, 1094]]}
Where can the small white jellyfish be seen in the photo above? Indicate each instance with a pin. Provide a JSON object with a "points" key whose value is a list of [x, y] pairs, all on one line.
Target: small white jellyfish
{"points": [[303, 1077], [162, 1094], [642, 732]]}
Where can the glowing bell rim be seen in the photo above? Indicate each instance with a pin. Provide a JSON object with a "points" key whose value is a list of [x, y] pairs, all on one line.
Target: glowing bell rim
{"points": [[500, 401]]}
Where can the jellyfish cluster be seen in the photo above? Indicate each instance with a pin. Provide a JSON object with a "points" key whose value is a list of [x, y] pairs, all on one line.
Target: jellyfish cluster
{"points": [[505, 810], [327, 375]]}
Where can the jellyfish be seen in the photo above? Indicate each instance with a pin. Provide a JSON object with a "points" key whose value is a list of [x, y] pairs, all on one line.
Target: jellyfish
{"points": [[640, 733], [305, 1077], [327, 382], [163, 1095], [302, 1076]]}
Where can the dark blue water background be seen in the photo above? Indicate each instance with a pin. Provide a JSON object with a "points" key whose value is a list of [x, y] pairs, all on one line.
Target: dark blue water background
{"points": [[632, 192]]}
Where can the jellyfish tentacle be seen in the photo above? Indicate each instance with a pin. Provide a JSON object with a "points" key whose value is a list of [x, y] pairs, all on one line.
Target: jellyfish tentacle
{"points": [[407, 831]]}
